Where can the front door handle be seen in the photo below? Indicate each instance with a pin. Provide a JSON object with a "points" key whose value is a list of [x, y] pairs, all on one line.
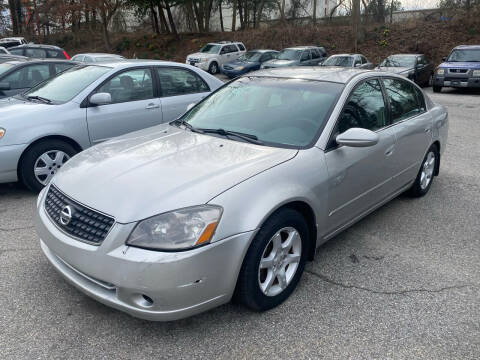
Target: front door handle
{"points": [[152, 106], [390, 150], [427, 130]]}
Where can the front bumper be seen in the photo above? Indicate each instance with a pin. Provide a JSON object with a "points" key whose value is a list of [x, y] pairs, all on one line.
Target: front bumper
{"points": [[457, 82], [234, 73], [179, 284], [9, 157], [201, 65]]}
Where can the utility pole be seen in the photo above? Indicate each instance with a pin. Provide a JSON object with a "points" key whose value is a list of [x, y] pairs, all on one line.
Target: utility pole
{"points": [[355, 23]]}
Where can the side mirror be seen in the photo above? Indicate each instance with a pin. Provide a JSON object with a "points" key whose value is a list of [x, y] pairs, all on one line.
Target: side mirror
{"points": [[444, 59], [357, 137], [190, 106], [101, 99], [358, 65], [4, 85]]}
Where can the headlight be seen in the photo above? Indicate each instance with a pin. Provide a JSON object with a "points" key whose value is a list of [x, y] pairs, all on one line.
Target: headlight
{"points": [[177, 230], [2, 132], [440, 71], [240, 68], [474, 73], [204, 60]]}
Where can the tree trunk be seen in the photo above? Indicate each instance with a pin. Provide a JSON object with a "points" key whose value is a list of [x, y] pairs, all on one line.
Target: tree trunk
{"points": [[198, 8], [314, 15], [245, 15], [234, 15], [380, 11], [207, 14], [170, 19], [156, 29], [163, 20], [240, 13], [221, 15], [355, 23], [106, 35], [12, 5], [259, 13]]}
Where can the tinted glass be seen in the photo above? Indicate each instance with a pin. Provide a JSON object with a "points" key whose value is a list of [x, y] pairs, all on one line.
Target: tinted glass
{"points": [[399, 61], [174, 81], [305, 55], [365, 108], [241, 47], [210, 49], [69, 84], [251, 56], [28, 76], [464, 55], [36, 53], [289, 54], [62, 67], [55, 54], [316, 54], [280, 112], [404, 101], [78, 58], [345, 61], [16, 51], [130, 85]]}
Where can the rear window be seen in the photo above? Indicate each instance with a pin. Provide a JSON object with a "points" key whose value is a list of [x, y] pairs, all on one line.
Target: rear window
{"points": [[55, 54], [36, 53], [241, 47]]}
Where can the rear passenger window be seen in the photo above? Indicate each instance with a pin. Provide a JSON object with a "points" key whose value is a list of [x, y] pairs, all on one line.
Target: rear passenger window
{"points": [[316, 54], [241, 47], [36, 53], [404, 99], [305, 55], [175, 81], [365, 108]]}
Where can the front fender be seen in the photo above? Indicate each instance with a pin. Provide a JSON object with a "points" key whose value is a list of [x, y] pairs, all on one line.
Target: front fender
{"points": [[248, 204]]}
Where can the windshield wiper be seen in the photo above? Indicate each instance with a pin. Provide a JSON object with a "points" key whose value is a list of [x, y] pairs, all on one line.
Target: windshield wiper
{"points": [[247, 137], [42, 99], [187, 125]]}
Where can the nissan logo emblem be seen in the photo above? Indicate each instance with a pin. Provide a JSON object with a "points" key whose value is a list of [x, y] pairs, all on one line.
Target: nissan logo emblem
{"points": [[66, 215]]}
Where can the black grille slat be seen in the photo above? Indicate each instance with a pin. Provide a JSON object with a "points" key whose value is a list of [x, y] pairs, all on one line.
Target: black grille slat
{"points": [[86, 224]]}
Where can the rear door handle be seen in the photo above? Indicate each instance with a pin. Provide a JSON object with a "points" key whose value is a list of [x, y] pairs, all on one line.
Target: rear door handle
{"points": [[427, 130], [152, 106]]}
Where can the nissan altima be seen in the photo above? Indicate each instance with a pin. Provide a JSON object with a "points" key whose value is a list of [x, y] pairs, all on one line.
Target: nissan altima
{"points": [[233, 198]]}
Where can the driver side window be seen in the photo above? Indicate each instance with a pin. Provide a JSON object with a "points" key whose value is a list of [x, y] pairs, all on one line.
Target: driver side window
{"points": [[130, 85], [365, 108], [305, 55]]}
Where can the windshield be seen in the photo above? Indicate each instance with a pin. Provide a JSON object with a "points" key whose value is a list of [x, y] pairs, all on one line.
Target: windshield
{"points": [[251, 56], [346, 61], [399, 61], [210, 49], [279, 112], [4, 68], [470, 55], [68, 84], [289, 54]]}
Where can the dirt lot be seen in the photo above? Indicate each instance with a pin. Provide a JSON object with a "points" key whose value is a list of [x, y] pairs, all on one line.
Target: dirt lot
{"points": [[404, 283]]}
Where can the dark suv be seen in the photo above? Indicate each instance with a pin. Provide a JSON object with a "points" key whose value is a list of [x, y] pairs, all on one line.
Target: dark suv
{"points": [[40, 51], [461, 69]]}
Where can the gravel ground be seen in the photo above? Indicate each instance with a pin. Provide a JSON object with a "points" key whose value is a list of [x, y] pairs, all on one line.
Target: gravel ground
{"points": [[403, 283]]}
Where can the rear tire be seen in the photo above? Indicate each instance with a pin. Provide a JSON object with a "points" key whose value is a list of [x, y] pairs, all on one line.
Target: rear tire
{"points": [[437, 89], [35, 173], [274, 262], [425, 175]]}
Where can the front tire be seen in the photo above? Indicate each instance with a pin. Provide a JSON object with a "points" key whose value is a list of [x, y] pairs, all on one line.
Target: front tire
{"points": [[213, 68], [425, 176], [42, 161], [437, 89], [274, 262]]}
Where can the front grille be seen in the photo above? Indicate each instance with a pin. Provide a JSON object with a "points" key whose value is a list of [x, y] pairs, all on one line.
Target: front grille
{"points": [[86, 225], [227, 67], [457, 71], [193, 60]]}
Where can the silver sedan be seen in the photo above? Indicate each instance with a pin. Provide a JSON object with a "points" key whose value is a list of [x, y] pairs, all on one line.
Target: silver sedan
{"points": [[44, 127], [234, 197]]}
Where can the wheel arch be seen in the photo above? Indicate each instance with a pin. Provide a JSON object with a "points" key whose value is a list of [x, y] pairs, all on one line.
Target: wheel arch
{"points": [[63, 138]]}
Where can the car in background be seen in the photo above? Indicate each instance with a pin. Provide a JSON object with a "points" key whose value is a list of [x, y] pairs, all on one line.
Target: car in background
{"points": [[87, 104], [250, 61], [40, 51], [233, 198], [4, 51], [213, 55], [461, 69], [19, 76], [297, 56], [97, 57], [416, 67], [348, 60], [12, 41]]}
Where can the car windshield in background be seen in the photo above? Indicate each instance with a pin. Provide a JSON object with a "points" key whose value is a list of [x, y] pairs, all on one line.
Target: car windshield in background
{"points": [[346, 61], [108, 59], [399, 61], [68, 84], [210, 49], [251, 56], [470, 55], [289, 54], [277, 112], [4, 68]]}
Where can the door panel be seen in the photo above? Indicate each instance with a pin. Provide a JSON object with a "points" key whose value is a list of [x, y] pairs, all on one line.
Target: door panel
{"points": [[133, 106]]}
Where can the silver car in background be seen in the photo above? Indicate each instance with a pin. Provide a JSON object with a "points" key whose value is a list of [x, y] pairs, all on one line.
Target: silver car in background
{"points": [[234, 197], [97, 58], [44, 127]]}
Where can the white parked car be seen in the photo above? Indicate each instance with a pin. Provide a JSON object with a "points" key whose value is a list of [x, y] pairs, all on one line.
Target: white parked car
{"points": [[213, 55]]}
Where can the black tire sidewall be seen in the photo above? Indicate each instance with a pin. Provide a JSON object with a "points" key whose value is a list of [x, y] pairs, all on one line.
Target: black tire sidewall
{"points": [[31, 155], [249, 292], [437, 89]]}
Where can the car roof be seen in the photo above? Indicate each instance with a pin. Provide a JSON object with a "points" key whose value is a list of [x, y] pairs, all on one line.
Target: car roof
{"points": [[262, 50], [318, 73], [224, 42], [303, 47], [39, 61], [37, 46], [405, 55], [99, 55], [472, 47], [126, 63]]}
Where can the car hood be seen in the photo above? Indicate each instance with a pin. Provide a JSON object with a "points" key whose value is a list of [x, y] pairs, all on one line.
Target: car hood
{"points": [[200, 55], [279, 63], [160, 169], [15, 107], [395, 69], [460, 65]]}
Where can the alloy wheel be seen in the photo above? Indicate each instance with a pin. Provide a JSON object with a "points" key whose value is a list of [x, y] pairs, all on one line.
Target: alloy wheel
{"points": [[428, 169], [280, 261], [47, 165]]}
